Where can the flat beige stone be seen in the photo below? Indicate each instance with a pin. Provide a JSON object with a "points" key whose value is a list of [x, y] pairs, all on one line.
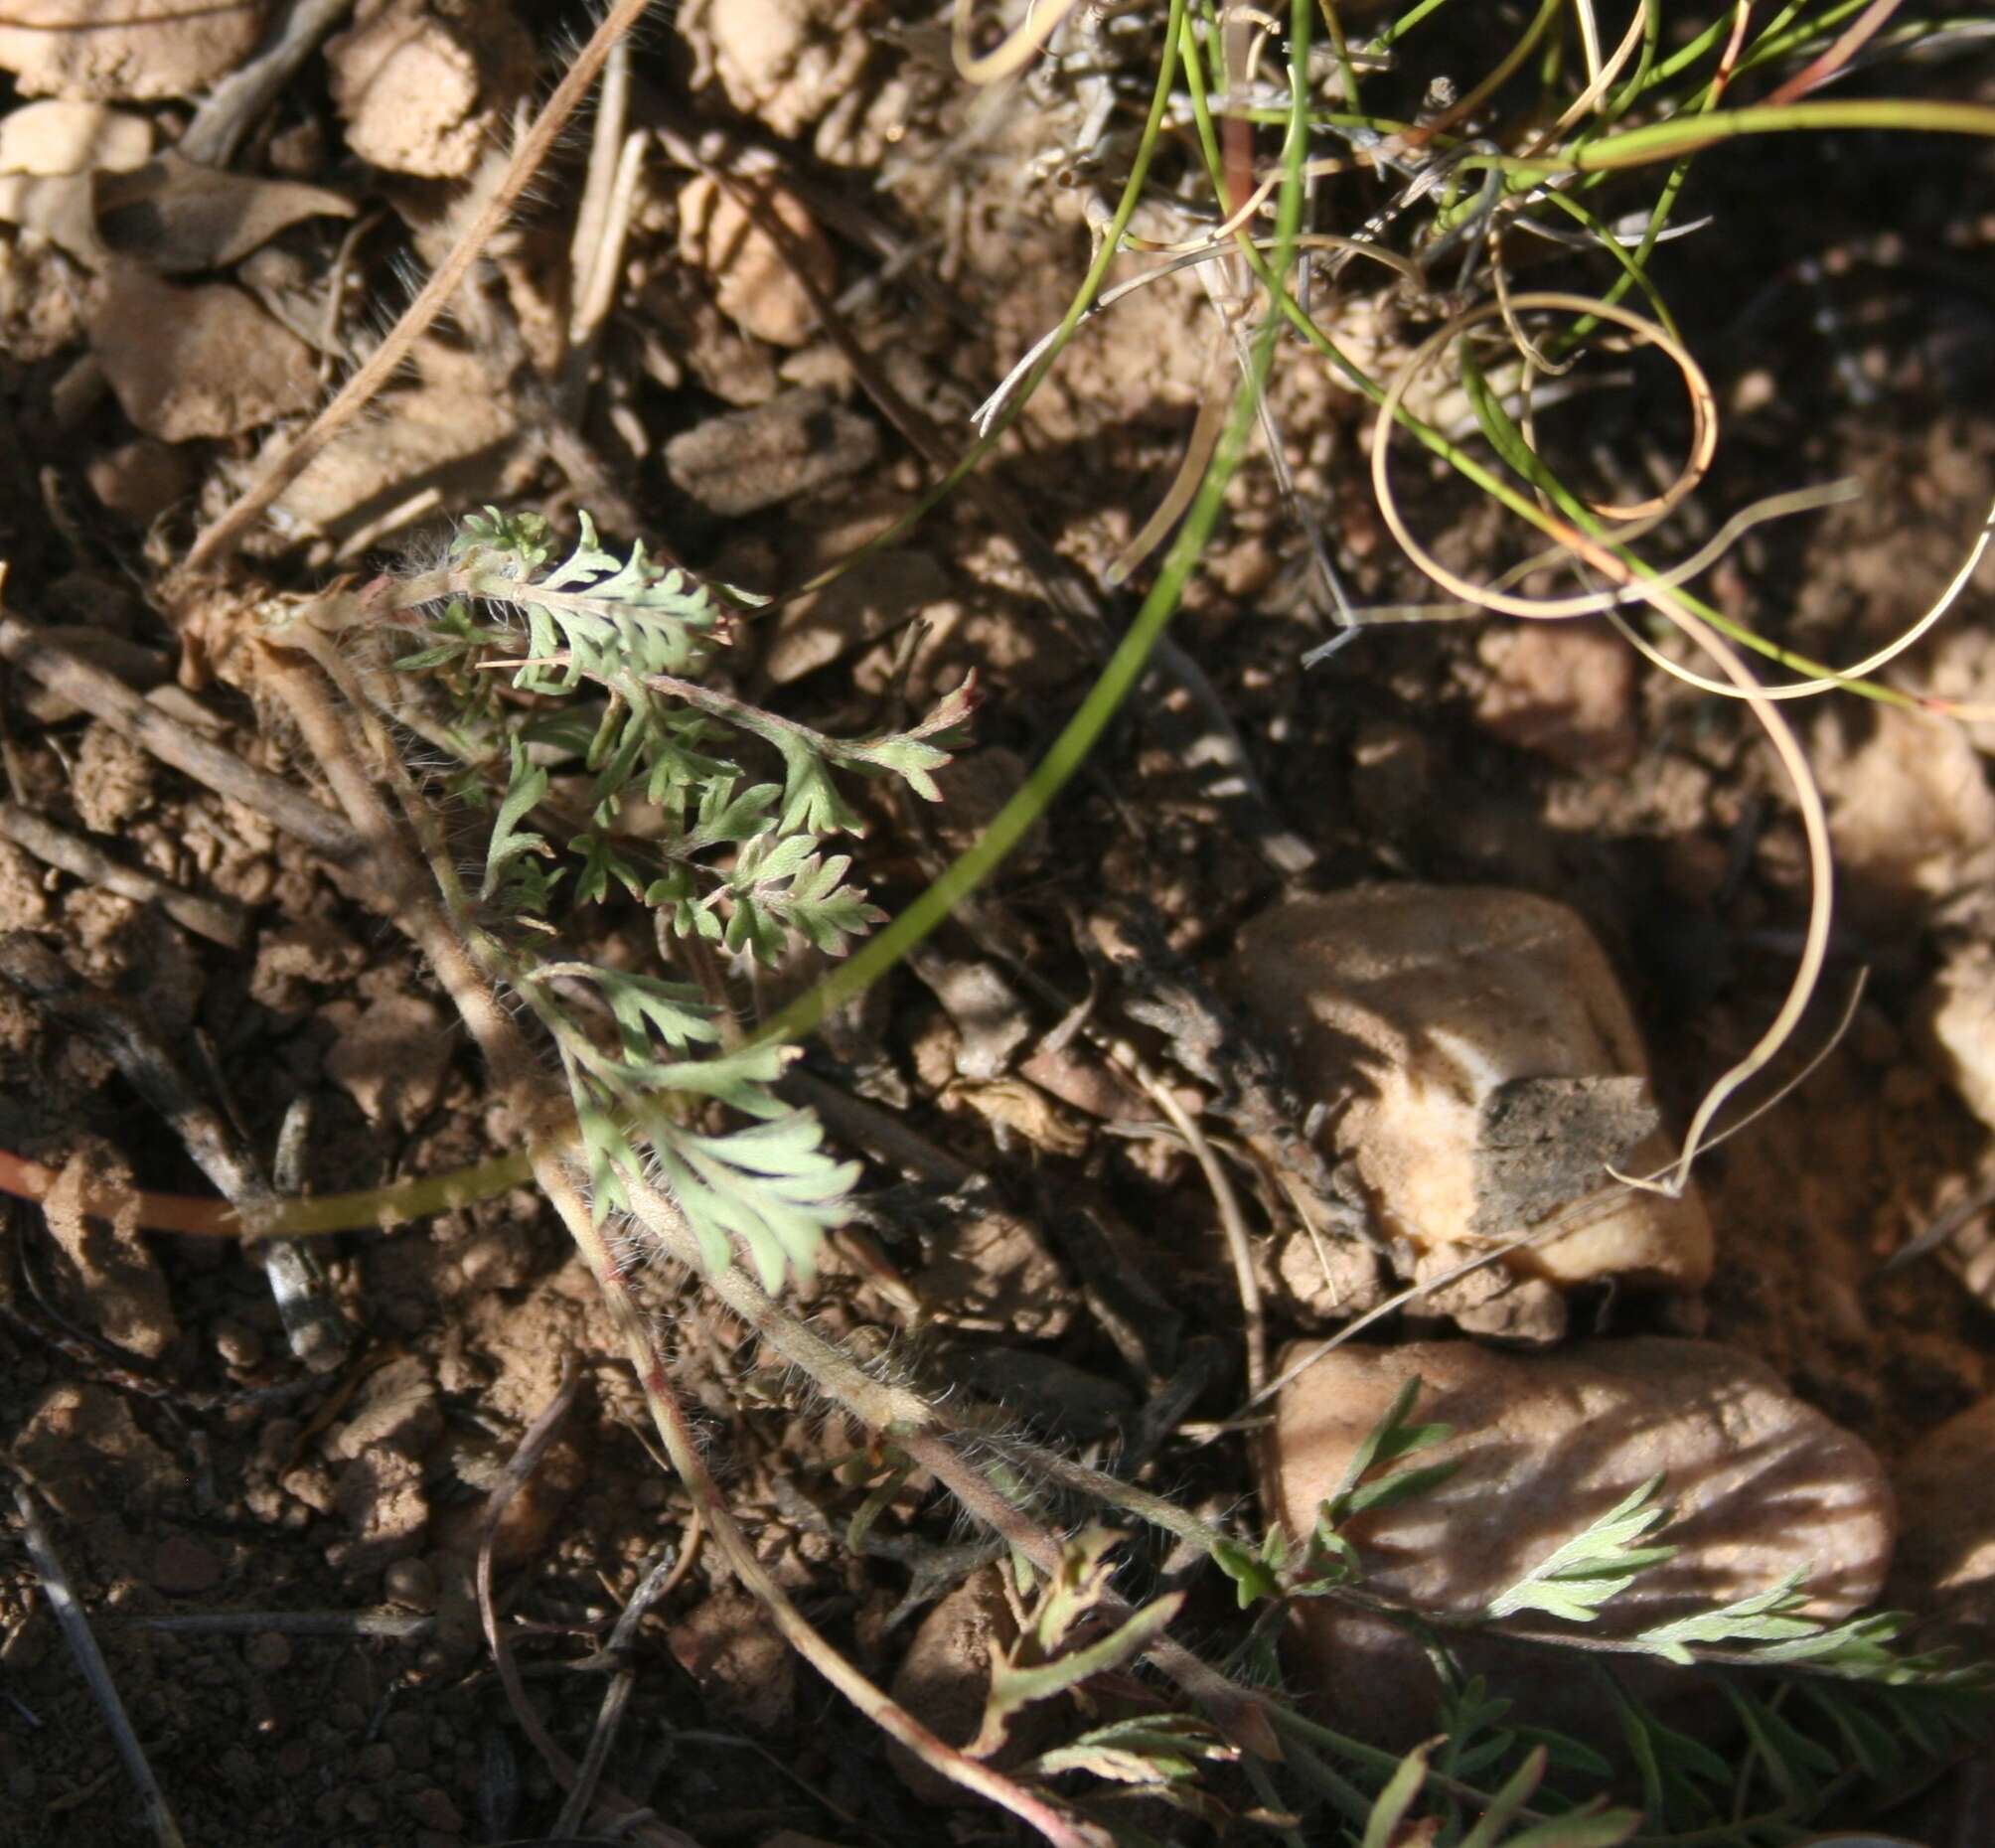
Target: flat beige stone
{"points": [[753, 282], [1481, 1070], [198, 361], [1955, 1024], [64, 136], [166, 48], [1762, 1485]]}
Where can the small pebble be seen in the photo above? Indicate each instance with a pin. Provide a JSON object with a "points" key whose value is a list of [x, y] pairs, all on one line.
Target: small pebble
{"points": [[140, 480], [411, 1583], [434, 1810], [294, 1760], [239, 1344], [375, 1761], [268, 1652], [181, 1567], [1486, 1067], [1762, 1482], [313, 1487]]}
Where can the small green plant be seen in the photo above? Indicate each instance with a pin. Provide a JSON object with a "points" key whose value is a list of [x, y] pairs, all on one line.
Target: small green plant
{"points": [[578, 691], [597, 664]]}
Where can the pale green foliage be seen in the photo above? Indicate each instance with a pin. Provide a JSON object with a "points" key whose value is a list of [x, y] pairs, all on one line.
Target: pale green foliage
{"points": [[1392, 1438], [1577, 1578], [625, 640], [605, 657], [1766, 1619], [612, 618], [1065, 1644]]}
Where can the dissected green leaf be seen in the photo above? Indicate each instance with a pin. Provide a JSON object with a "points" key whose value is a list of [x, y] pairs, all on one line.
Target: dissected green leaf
{"points": [[646, 1009], [525, 790], [613, 647], [1387, 1442], [1576, 1578], [771, 1186], [781, 888], [602, 866], [1794, 1762], [1388, 1491], [811, 804], [914, 755], [1872, 1746], [616, 620], [1473, 1737], [1680, 1775], [1763, 1617], [1564, 1753], [520, 536], [730, 814]]}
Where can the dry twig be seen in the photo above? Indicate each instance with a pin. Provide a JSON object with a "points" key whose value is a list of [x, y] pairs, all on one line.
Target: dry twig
{"points": [[240, 101], [657, 1585], [216, 919], [76, 1629], [106, 696]]}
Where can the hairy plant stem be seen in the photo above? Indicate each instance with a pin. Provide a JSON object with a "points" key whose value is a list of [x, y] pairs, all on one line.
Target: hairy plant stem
{"points": [[442, 931], [923, 1432]]}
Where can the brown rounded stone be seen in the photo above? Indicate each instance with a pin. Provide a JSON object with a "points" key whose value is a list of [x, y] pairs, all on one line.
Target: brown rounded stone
{"points": [[1484, 1070], [1761, 1485]]}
